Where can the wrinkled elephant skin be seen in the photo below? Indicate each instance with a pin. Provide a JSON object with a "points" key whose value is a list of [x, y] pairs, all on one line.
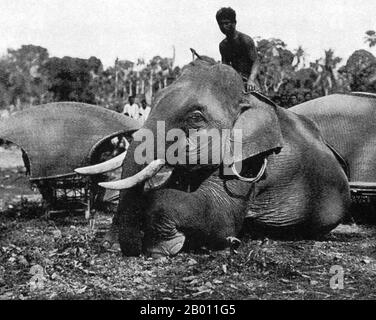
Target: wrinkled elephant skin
{"points": [[301, 192]]}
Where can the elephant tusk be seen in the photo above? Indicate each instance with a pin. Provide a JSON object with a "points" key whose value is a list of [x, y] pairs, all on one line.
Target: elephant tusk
{"points": [[106, 166], [146, 173], [251, 180]]}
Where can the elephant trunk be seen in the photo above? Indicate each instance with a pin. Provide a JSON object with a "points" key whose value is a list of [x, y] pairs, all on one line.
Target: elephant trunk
{"points": [[128, 218]]}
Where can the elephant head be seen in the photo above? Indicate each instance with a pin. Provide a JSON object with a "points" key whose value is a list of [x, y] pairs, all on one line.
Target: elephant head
{"points": [[168, 200]]}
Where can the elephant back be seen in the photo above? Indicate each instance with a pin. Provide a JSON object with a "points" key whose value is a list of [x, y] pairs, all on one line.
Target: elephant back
{"points": [[58, 137], [347, 123]]}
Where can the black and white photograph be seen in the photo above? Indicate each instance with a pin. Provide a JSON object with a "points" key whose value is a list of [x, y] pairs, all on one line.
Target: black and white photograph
{"points": [[194, 150]]}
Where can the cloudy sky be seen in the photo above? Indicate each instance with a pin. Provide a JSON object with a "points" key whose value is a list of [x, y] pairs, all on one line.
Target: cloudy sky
{"points": [[129, 29]]}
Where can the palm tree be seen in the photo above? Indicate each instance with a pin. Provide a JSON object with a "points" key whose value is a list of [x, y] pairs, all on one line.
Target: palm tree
{"points": [[299, 54], [370, 38], [326, 81]]}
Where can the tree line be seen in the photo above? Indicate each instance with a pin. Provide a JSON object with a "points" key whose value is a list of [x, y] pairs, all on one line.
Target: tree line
{"points": [[29, 76]]}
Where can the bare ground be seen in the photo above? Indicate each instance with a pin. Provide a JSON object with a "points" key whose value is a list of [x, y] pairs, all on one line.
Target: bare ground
{"points": [[61, 258]]}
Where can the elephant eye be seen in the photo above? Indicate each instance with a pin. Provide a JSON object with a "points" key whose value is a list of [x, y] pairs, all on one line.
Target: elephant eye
{"points": [[196, 116]]}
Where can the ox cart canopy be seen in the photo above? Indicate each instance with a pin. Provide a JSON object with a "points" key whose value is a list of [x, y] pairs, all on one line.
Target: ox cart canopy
{"points": [[58, 137]]}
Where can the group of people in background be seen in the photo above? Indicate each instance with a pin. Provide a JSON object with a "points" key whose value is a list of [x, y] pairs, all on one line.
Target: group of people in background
{"points": [[133, 110], [288, 101]]}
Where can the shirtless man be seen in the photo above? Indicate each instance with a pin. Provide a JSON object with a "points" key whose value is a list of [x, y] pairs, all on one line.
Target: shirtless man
{"points": [[237, 49]]}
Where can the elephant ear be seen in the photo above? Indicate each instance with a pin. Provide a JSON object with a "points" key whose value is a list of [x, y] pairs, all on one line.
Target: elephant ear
{"points": [[257, 130]]}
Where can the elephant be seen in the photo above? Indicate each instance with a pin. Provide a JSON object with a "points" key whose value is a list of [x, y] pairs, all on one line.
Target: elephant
{"points": [[285, 182], [347, 123]]}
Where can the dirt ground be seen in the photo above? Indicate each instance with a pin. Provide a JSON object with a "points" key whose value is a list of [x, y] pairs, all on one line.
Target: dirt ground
{"points": [[61, 258]]}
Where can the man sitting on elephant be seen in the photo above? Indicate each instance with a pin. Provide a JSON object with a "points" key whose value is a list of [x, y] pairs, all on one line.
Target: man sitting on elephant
{"points": [[283, 181], [237, 49]]}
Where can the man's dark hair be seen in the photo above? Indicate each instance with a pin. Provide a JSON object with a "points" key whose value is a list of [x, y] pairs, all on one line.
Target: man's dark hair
{"points": [[226, 13]]}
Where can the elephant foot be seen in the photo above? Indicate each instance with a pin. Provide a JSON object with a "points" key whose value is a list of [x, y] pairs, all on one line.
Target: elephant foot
{"points": [[233, 243], [167, 248], [114, 247], [111, 240]]}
